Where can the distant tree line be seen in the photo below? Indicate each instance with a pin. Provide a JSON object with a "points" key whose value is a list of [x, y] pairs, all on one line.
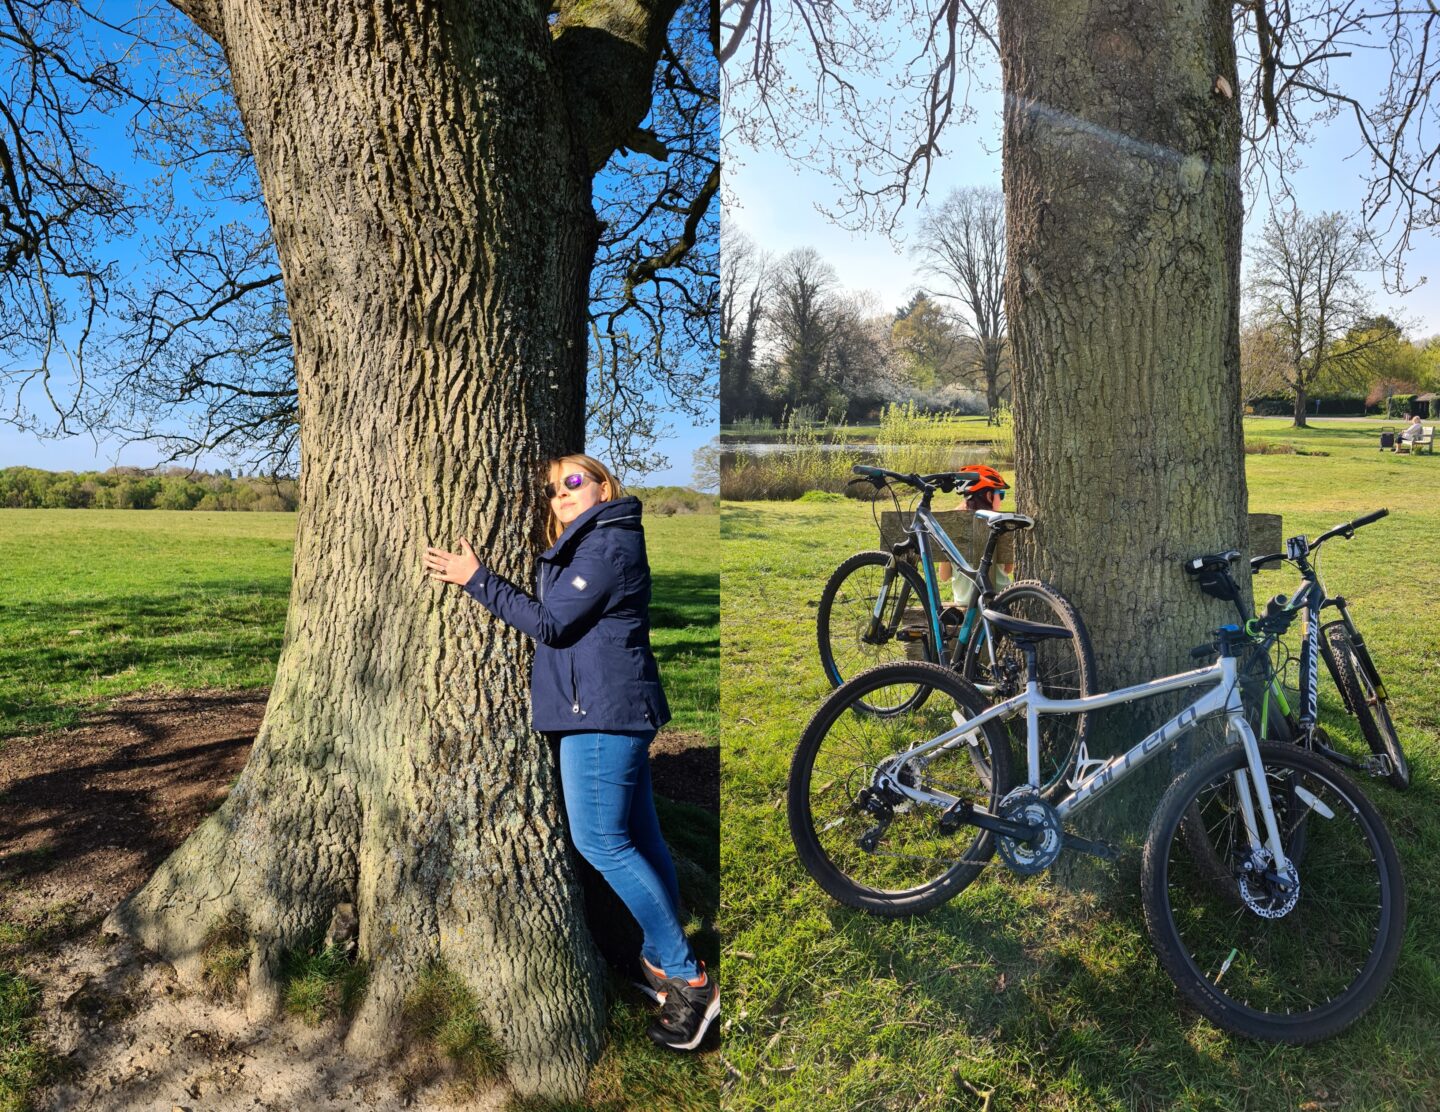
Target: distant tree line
{"points": [[793, 339], [132, 488]]}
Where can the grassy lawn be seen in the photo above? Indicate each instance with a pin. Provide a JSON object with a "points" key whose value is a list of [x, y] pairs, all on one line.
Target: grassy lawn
{"points": [[1017, 994], [96, 604]]}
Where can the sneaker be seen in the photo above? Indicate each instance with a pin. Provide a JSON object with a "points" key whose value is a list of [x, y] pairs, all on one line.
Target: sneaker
{"points": [[688, 1010], [653, 985]]}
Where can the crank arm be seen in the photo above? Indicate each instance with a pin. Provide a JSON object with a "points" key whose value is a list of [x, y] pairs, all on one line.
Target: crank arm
{"points": [[963, 813], [1376, 764]]}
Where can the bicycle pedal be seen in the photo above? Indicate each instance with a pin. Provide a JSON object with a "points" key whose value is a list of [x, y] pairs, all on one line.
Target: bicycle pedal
{"points": [[1095, 849], [1377, 764], [910, 633]]}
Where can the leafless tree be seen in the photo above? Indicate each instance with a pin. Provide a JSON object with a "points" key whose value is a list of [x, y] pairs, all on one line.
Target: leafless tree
{"points": [[198, 359], [745, 274], [705, 461], [962, 244], [57, 204], [801, 324], [801, 75], [454, 252], [1306, 290]]}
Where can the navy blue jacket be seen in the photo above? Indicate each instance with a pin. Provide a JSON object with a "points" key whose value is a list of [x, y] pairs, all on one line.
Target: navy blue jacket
{"points": [[591, 622]]}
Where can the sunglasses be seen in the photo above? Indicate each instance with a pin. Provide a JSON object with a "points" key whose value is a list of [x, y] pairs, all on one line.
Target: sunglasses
{"points": [[571, 482]]}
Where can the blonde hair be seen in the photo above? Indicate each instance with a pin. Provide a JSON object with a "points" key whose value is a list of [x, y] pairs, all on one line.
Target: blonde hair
{"points": [[592, 467]]}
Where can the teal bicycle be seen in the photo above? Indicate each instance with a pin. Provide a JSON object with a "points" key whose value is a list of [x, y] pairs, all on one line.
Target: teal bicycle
{"points": [[880, 607]]}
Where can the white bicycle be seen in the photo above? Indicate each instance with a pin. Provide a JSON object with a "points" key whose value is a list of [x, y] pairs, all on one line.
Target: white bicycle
{"points": [[1283, 923]]}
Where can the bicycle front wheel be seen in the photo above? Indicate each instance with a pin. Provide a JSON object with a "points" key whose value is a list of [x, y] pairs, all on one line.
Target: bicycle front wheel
{"points": [[866, 842], [871, 602], [1302, 956], [1353, 679], [1066, 667]]}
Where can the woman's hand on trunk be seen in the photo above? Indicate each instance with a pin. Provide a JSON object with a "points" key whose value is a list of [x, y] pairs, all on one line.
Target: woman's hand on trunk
{"points": [[452, 567]]}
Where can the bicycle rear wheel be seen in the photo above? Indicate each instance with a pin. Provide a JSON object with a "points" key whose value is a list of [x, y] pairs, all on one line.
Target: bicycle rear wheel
{"points": [[1353, 679], [867, 844], [862, 613], [1294, 964], [1066, 667]]}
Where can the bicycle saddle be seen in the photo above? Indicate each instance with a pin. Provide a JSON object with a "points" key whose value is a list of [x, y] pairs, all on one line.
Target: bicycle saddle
{"points": [[1218, 561], [1022, 630], [1004, 523]]}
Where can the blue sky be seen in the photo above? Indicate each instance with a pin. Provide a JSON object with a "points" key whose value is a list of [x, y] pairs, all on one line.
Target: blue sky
{"points": [[112, 149], [777, 203]]}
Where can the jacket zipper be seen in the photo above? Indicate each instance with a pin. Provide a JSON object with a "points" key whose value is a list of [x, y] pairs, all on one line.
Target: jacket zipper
{"points": [[575, 690]]}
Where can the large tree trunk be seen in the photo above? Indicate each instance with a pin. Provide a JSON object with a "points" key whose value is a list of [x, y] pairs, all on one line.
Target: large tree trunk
{"points": [[431, 208], [1124, 219], [1302, 399]]}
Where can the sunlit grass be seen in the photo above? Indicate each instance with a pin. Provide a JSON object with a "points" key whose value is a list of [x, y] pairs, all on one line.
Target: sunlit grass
{"points": [[1038, 997]]}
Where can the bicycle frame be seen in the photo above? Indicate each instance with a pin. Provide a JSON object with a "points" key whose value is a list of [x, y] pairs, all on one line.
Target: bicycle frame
{"points": [[1311, 599], [929, 528], [1099, 776]]}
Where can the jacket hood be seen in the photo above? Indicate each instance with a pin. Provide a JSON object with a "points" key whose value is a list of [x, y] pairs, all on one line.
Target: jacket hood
{"points": [[620, 513]]}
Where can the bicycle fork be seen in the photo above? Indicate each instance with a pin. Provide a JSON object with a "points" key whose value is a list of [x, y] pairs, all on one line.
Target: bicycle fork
{"points": [[1252, 787]]}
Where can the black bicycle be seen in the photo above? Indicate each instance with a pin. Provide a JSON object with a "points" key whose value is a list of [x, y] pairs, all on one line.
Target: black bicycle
{"points": [[1338, 642]]}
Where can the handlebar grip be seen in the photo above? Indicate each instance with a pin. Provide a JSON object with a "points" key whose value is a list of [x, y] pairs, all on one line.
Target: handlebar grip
{"points": [[1200, 652], [1368, 518], [1258, 562]]}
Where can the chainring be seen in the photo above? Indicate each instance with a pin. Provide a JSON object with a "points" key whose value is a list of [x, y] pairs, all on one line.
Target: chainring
{"points": [[1024, 805]]}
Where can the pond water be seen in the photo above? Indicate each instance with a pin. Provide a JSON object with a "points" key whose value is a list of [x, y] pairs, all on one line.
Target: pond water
{"points": [[775, 448]]}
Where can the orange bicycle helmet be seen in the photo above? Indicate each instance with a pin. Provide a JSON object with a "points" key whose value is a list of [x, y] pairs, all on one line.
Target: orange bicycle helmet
{"points": [[986, 478]]}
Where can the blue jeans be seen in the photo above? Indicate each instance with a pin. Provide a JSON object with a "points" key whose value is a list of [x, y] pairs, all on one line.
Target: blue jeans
{"points": [[606, 780]]}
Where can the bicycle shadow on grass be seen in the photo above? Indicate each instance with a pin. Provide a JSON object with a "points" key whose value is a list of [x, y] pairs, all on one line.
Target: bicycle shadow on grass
{"points": [[1027, 964]]}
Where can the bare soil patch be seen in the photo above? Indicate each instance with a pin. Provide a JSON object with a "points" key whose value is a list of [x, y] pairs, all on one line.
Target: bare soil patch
{"points": [[85, 816]]}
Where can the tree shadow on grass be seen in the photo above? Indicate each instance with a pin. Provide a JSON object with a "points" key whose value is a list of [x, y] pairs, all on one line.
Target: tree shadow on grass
{"points": [[103, 807], [739, 523]]}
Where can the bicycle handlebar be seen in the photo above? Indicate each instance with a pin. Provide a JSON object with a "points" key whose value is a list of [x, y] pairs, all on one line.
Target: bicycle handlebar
{"points": [[1346, 530], [946, 481]]}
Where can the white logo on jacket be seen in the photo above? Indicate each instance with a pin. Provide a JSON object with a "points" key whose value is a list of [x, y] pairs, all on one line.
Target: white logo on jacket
{"points": [[578, 583]]}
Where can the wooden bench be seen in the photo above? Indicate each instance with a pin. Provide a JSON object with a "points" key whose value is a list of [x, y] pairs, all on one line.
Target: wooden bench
{"points": [[1426, 442]]}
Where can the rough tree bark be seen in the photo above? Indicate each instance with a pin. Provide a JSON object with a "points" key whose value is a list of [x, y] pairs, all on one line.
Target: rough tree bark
{"points": [[1121, 151], [427, 171]]}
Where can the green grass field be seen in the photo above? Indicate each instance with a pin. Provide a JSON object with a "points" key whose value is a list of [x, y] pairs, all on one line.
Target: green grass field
{"points": [[1018, 995], [96, 604]]}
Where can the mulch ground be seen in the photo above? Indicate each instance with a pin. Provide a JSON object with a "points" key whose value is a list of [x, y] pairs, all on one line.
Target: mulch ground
{"points": [[97, 807], [86, 815]]}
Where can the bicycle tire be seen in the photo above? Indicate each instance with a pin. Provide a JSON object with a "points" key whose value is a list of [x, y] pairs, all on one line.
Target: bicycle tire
{"points": [[1067, 671], [1363, 702], [846, 605], [1350, 874], [837, 757]]}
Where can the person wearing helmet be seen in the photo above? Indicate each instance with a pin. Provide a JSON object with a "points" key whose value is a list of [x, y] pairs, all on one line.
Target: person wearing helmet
{"points": [[985, 493]]}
